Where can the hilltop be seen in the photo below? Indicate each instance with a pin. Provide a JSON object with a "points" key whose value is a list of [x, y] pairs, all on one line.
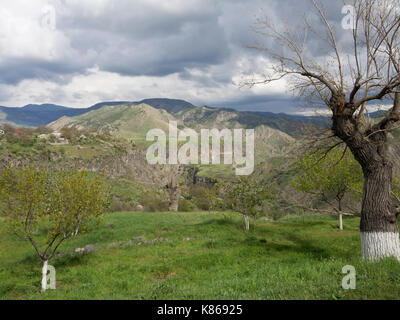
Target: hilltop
{"points": [[129, 121]]}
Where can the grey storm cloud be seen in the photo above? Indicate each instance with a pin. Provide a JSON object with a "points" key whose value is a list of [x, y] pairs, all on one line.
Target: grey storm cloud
{"points": [[137, 39], [150, 38], [274, 103]]}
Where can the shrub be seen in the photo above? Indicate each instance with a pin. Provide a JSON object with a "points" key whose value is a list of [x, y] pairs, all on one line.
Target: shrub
{"points": [[186, 205], [154, 203]]}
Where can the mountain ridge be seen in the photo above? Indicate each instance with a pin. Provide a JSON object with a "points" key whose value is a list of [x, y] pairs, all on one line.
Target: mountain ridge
{"points": [[130, 121], [34, 115]]}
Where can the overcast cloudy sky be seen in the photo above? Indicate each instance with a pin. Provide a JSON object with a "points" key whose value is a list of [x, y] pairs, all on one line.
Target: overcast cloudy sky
{"points": [[80, 52]]}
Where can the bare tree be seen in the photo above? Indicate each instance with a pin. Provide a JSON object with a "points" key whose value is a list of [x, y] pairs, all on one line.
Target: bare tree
{"points": [[168, 177], [345, 82]]}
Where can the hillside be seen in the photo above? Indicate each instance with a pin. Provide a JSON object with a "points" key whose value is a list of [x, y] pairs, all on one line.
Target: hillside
{"points": [[127, 121], [33, 115], [132, 122], [36, 115], [295, 126]]}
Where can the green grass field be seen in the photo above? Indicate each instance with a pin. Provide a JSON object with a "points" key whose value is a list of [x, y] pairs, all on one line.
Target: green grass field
{"points": [[294, 258]]}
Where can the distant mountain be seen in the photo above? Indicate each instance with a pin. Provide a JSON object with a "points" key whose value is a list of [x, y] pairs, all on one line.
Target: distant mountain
{"points": [[133, 121], [171, 105], [103, 104], [44, 108], [130, 121], [36, 115], [227, 118]]}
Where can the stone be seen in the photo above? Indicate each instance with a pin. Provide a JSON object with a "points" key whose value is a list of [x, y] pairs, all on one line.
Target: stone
{"points": [[139, 207], [89, 248], [113, 245], [138, 239], [188, 239], [130, 243], [79, 250]]}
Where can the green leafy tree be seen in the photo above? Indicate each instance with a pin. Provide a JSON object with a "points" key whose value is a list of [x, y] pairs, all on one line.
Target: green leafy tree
{"points": [[63, 203], [245, 196], [213, 197], [330, 177]]}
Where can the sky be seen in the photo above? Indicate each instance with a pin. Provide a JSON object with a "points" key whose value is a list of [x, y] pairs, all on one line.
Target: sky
{"points": [[80, 52]]}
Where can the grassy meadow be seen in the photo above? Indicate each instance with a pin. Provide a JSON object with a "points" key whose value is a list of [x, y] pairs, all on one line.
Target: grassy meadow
{"points": [[208, 256]]}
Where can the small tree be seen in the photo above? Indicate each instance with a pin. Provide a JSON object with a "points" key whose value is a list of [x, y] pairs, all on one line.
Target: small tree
{"points": [[245, 196], [168, 177], [62, 203], [213, 197], [330, 177]]}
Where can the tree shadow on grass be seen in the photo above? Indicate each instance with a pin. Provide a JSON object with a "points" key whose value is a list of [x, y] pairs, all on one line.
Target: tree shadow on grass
{"points": [[297, 244], [305, 223], [309, 247], [218, 221], [291, 242]]}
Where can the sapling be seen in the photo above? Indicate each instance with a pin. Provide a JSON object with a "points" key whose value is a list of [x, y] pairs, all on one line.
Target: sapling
{"points": [[245, 196], [61, 204], [330, 177]]}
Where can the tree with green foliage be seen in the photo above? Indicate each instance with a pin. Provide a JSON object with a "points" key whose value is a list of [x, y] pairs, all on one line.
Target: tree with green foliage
{"points": [[330, 177], [245, 196], [213, 197], [62, 203]]}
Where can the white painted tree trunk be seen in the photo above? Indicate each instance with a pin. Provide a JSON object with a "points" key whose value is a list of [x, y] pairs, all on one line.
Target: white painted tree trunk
{"points": [[247, 222], [44, 275], [341, 221], [379, 245]]}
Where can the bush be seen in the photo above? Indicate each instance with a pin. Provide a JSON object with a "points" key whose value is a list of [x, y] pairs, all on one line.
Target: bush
{"points": [[154, 203], [118, 205], [186, 206], [206, 198]]}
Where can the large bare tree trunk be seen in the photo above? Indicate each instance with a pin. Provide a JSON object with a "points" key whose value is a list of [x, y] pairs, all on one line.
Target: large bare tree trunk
{"points": [[379, 230]]}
